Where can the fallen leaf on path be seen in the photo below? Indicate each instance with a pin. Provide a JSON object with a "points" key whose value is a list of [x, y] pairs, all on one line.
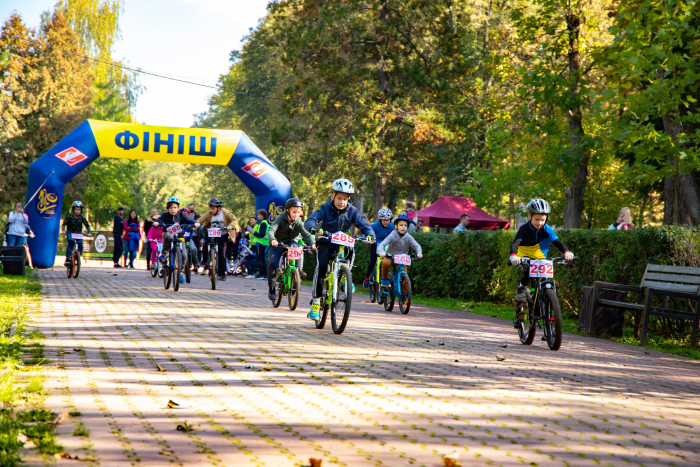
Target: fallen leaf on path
{"points": [[315, 462], [62, 417], [441, 343], [648, 353], [267, 369], [114, 274], [456, 360], [65, 455], [250, 367], [494, 316], [500, 358], [66, 352], [451, 460], [185, 427], [160, 368], [175, 405]]}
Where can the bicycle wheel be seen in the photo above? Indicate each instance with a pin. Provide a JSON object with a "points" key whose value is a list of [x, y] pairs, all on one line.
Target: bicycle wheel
{"points": [[405, 298], [340, 307], [76, 265], [188, 267], [389, 296], [321, 321], [212, 266], [161, 271], [293, 298], [279, 282], [167, 275], [177, 267], [154, 269], [527, 328], [69, 268], [552, 319], [373, 298]]}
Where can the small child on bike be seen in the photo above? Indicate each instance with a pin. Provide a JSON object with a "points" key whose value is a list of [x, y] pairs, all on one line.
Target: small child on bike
{"points": [[382, 227], [532, 241], [336, 215], [73, 223], [398, 242], [155, 236], [285, 229], [169, 218]]}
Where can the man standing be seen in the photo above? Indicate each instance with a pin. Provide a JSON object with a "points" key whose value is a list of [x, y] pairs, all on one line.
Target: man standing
{"points": [[117, 233], [463, 223]]}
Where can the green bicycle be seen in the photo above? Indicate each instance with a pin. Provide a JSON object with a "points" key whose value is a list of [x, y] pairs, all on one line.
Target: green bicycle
{"points": [[288, 279], [338, 288]]}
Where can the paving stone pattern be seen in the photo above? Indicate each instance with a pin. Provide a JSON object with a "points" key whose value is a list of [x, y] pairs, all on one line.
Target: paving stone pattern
{"points": [[268, 389]]}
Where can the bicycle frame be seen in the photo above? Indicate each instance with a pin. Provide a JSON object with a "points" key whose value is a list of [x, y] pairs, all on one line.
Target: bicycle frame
{"points": [[332, 284]]}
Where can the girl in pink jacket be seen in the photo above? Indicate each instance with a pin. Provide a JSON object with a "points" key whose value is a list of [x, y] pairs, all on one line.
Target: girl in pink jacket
{"points": [[155, 236]]}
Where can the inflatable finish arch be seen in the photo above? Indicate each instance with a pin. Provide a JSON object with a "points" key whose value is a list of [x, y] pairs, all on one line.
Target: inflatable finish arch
{"points": [[92, 139]]}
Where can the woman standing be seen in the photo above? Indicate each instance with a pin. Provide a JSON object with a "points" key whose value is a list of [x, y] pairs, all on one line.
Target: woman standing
{"points": [[18, 226], [132, 231]]}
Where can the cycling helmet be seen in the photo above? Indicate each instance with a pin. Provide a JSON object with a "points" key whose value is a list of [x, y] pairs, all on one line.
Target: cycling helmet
{"points": [[216, 202], [385, 213], [293, 203], [538, 206], [343, 185], [401, 217], [173, 199], [76, 204]]}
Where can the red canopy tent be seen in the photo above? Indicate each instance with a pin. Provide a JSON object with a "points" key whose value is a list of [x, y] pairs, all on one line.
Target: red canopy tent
{"points": [[446, 212]]}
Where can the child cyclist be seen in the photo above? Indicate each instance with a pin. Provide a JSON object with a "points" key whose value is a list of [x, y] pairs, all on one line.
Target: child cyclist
{"points": [[218, 217], [532, 241], [73, 223], [172, 216], [382, 227], [336, 215], [284, 230], [397, 242]]}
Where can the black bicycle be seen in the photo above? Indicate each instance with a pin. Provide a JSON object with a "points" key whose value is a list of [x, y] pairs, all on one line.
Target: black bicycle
{"points": [[542, 303], [174, 262], [213, 234]]}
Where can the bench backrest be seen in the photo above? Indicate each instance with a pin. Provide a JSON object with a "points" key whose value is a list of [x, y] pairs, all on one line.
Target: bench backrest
{"points": [[672, 278]]}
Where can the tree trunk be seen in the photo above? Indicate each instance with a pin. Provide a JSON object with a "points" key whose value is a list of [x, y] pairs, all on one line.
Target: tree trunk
{"points": [[379, 193], [573, 210]]}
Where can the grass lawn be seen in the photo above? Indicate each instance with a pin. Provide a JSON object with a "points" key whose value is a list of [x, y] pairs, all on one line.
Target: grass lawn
{"points": [[23, 420]]}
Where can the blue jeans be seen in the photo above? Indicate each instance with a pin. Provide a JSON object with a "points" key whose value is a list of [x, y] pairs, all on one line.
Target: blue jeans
{"points": [[71, 242], [131, 256], [15, 240]]}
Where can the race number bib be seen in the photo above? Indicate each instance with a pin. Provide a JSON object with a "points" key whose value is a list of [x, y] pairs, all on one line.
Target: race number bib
{"points": [[214, 233], [541, 268], [76, 236], [340, 238], [295, 253], [402, 259], [175, 228], [159, 246]]}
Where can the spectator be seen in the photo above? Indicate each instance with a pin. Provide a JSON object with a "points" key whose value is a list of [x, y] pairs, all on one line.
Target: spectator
{"points": [[131, 239], [420, 224], [117, 232], [624, 220], [262, 242], [410, 208], [463, 223], [147, 225], [18, 222]]}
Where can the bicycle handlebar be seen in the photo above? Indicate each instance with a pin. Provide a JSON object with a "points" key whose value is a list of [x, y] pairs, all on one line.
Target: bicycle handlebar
{"points": [[413, 257], [524, 261]]}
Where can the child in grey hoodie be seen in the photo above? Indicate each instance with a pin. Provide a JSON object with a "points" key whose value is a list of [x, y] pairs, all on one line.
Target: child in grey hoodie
{"points": [[397, 242]]}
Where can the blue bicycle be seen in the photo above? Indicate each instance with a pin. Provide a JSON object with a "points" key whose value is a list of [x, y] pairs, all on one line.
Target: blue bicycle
{"points": [[399, 287]]}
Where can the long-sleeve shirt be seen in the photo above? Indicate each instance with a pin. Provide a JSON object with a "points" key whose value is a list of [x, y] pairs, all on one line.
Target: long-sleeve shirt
{"points": [[284, 231], [332, 220], [155, 233], [74, 224], [397, 244], [381, 231], [118, 228], [128, 230], [17, 224], [533, 243]]}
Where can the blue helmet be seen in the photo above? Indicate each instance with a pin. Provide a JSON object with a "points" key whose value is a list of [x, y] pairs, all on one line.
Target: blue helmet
{"points": [[173, 199], [401, 217]]}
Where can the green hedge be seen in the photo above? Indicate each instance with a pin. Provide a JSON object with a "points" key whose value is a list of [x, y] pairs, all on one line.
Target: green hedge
{"points": [[474, 265]]}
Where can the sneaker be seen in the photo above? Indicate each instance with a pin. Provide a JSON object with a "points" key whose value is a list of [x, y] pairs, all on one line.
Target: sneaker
{"points": [[131, 267], [195, 270], [182, 278], [521, 314], [67, 263], [315, 308], [385, 282], [223, 278], [117, 265], [353, 288], [250, 276], [262, 278], [203, 272], [152, 267], [303, 275], [162, 258], [272, 294], [365, 284]]}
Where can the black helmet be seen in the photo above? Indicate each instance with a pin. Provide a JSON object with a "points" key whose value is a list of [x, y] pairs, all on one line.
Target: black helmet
{"points": [[216, 202], [294, 203]]}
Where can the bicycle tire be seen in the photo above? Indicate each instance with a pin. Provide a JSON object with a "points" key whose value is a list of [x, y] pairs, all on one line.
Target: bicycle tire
{"points": [[76, 265], [167, 276], [188, 267], [293, 297], [404, 307], [69, 268], [554, 328], [321, 321], [212, 266], [177, 269], [373, 298], [340, 307], [279, 282], [527, 337], [154, 269], [389, 298]]}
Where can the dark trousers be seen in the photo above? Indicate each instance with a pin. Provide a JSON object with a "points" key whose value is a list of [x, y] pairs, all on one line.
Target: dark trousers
{"points": [[148, 254], [71, 243], [118, 247], [262, 249], [274, 256], [371, 269], [220, 257], [250, 265], [197, 242], [324, 252]]}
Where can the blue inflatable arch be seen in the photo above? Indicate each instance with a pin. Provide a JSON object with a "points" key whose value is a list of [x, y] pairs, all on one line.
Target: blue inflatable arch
{"points": [[49, 174]]}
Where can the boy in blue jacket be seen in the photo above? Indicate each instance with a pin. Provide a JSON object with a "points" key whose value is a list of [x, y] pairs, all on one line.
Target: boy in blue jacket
{"points": [[383, 227], [336, 215]]}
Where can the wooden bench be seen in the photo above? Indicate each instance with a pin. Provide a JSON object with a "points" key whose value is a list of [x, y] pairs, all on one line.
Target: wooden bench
{"points": [[667, 281]]}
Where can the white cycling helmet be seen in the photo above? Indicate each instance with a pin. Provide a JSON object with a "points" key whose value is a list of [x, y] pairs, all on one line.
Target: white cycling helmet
{"points": [[343, 185], [385, 213], [538, 206]]}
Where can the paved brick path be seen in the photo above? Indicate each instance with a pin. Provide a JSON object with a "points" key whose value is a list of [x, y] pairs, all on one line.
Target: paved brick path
{"points": [[392, 390]]}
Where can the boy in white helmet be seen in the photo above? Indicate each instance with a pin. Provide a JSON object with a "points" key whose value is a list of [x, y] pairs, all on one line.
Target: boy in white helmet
{"points": [[532, 241]]}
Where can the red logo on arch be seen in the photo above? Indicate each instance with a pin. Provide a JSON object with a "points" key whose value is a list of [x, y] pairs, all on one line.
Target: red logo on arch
{"points": [[256, 168], [71, 156]]}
